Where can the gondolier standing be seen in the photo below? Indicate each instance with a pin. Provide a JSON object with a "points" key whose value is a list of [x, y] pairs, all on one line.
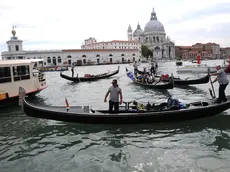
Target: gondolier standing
{"points": [[223, 81], [135, 68], [152, 70], [114, 92], [72, 70]]}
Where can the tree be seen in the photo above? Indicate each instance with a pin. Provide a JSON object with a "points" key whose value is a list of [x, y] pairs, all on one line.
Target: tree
{"points": [[144, 51], [150, 53]]}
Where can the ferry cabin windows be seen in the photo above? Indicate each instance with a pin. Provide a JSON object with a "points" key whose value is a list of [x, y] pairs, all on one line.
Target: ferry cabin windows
{"points": [[5, 75], [21, 72]]}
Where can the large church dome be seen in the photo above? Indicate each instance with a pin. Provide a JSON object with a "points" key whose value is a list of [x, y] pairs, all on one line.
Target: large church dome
{"points": [[154, 25]]}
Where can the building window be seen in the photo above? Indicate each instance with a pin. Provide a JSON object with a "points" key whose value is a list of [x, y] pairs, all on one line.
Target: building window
{"points": [[21, 72], [59, 59], [157, 39], [122, 55], [48, 60], [98, 55], [83, 55], [54, 61], [68, 56], [5, 75], [133, 54], [110, 55], [17, 48]]}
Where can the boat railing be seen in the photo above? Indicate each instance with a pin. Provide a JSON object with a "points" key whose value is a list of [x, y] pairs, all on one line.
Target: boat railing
{"points": [[40, 75]]}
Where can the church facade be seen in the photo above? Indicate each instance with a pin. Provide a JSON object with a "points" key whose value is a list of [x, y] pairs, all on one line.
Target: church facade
{"points": [[154, 37]]}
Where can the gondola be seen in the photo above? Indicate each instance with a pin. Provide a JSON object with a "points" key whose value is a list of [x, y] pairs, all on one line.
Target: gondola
{"points": [[187, 81], [182, 82], [161, 85], [92, 77], [127, 114], [179, 63]]}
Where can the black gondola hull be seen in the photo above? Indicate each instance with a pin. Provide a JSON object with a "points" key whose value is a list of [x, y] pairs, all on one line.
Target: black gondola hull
{"points": [[86, 79], [77, 115]]}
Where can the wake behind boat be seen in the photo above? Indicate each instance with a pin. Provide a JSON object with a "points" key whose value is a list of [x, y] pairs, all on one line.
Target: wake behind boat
{"points": [[90, 77], [161, 113]]}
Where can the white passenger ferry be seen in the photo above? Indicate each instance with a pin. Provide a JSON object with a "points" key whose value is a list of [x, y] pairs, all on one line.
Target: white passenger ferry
{"points": [[19, 73]]}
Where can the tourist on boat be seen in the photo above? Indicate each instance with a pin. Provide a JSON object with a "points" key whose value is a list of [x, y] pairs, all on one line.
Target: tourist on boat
{"points": [[223, 82], [115, 92], [135, 68], [72, 69]]}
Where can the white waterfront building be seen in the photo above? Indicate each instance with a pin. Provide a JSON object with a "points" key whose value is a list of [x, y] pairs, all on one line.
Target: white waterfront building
{"points": [[107, 52], [154, 37]]}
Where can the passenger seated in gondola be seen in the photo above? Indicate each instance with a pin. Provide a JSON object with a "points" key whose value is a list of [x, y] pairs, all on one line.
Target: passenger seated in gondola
{"points": [[174, 104]]}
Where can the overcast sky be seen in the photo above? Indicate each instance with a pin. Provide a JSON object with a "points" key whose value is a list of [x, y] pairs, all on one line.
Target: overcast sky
{"points": [[58, 24]]}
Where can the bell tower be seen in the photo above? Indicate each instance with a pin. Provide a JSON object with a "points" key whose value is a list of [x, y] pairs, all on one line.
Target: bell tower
{"points": [[14, 44], [130, 33]]}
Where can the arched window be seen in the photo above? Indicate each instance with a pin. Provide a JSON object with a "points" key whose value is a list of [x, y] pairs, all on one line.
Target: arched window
{"points": [[59, 59], [48, 60], [83, 55], [69, 56], [17, 48], [97, 55], [154, 39], [133, 54], [122, 55], [34, 57], [157, 48], [157, 39], [110, 55]]}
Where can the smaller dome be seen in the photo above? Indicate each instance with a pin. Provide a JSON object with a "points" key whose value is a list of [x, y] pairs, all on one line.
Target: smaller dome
{"points": [[138, 31]]}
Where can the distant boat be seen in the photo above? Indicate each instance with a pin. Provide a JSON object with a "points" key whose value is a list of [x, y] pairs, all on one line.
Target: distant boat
{"points": [[198, 68]]}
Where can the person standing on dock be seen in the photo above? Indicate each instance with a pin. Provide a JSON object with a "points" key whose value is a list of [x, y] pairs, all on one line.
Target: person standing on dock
{"points": [[223, 82], [114, 92]]}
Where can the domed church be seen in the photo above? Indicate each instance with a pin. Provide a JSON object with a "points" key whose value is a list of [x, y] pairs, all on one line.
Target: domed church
{"points": [[154, 37]]}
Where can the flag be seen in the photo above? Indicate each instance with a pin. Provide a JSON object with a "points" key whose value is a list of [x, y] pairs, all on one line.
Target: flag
{"points": [[67, 104]]}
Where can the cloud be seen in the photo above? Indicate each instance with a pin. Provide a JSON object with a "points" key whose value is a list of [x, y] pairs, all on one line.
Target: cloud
{"points": [[58, 24]]}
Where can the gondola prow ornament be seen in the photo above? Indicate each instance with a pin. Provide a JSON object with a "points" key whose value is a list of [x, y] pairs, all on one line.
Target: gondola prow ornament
{"points": [[21, 94], [67, 104]]}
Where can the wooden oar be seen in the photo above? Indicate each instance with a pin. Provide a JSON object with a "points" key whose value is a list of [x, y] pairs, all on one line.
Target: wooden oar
{"points": [[211, 84]]}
